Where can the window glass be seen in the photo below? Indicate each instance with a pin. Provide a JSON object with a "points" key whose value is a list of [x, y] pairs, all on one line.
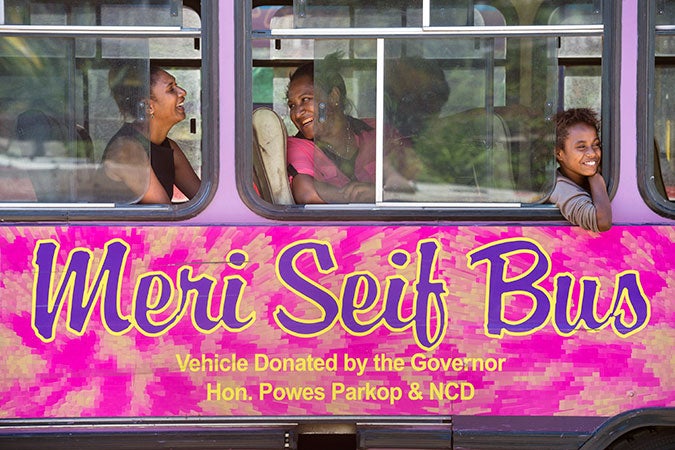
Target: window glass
{"points": [[578, 14], [66, 98], [664, 121], [86, 12], [461, 141], [48, 149], [441, 13], [579, 56], [664, 113], [665, 13], [448, 134], [582, 87], [352, 13], [448, 119], [261, 20]]}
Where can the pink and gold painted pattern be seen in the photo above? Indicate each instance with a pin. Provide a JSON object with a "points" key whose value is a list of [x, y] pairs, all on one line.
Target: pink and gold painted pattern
{"points": [[124, 368]]}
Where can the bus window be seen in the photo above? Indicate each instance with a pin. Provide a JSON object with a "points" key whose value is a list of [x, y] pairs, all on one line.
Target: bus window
{"points": [[315, 13], [86, 12], [451, 111], [457, 113], [663, 175], [60, 110], [579, 57]]}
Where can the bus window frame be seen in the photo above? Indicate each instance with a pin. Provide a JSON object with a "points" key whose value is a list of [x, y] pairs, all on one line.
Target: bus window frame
{"points": [[72, 211], [611, 15], [646, 115]]}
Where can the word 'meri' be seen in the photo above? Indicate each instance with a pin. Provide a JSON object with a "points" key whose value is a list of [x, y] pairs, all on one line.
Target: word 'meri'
{"points": [[160, 302]]}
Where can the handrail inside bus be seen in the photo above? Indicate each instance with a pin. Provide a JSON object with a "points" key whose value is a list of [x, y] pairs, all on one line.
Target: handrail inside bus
{"points": [[96, 31], [39, 205], [473, 31], [405, 205]]}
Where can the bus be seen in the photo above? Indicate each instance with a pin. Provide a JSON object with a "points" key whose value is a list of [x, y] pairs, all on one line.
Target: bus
{"points": [[462, 312]]}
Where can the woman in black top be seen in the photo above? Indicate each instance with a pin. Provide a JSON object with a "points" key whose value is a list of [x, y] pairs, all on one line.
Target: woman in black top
{"points": [[141, 156]]}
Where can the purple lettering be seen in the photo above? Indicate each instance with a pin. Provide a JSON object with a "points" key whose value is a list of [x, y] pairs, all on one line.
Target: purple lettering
{"points": [[202, 301], [394, 291], [147, 305], [498, 286], [361, 293], [150, 310], [628, 293], [629, 290], [294, 280], [429, 296], [74, 287], [351, 305]]}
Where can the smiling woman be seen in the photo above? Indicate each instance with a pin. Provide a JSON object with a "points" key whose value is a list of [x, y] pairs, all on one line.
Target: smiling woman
{"points": [[580, 191], [332, 158], [140, 156]]}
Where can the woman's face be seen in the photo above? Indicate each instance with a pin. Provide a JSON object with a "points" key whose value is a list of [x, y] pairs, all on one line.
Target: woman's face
{"points": [[581, 156], [301, 105], [167, 100]]}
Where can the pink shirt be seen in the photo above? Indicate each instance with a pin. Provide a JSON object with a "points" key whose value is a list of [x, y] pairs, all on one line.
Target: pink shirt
{"points": [[310, 160]]}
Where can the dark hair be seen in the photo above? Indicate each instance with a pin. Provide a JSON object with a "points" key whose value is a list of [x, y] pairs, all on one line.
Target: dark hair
{"points": [[130, 84], [564, 120], [324, 75], [412, 81], [419, 73]]}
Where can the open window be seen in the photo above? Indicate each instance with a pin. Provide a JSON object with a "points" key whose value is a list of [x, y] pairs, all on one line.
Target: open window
{"points": [[452, 101]]}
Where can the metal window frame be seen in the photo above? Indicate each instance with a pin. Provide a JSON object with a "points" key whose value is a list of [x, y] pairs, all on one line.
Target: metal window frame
{"points": [[492, 212], [647, 31], [60, 212]]}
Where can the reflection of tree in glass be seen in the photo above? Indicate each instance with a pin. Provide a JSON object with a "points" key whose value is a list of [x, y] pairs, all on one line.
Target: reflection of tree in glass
{"points": [[464, 149], [476, 149]]}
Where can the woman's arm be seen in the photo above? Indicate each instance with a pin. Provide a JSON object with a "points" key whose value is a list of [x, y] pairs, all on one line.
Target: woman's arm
{"points": [[307, 190], [155, 194], [127, 161], [603, 207], [186, 179], [358, 192], [304, 190]]}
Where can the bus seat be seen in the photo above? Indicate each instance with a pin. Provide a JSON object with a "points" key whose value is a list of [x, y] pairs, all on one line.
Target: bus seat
{"points": [[85, 144], [269, 157], [57, 164]]}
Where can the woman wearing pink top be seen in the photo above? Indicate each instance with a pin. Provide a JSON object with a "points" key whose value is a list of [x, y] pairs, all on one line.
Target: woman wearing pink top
{"points": [[332, 158]]}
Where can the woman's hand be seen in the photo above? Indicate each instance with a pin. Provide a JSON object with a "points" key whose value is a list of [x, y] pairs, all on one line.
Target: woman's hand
{"points": [[397, 183], [603, 207], [394, 181], [358, 192], [307, 190]]}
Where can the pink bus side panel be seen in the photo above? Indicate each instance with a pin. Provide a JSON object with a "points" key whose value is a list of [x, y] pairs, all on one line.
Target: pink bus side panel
{"points": [[381, 320]]}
